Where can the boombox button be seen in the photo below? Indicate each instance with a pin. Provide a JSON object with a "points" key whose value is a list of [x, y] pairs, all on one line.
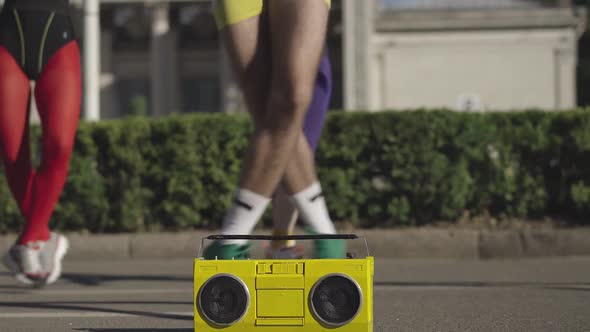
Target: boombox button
{"points": [[280, 268]]}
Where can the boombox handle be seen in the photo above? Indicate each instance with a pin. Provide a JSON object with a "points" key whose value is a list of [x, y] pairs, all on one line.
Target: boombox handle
{"points": [[284, 238]]}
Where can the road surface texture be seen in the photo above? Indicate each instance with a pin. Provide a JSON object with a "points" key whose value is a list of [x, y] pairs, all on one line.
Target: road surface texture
{"points": [[410, 295]]}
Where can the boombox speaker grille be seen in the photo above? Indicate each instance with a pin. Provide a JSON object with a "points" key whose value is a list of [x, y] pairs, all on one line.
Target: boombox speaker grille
{"points": [[335, 299], [223, 299]]}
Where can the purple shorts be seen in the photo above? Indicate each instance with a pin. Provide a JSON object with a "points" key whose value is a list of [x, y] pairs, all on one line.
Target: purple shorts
{"points": [[318, 108]]}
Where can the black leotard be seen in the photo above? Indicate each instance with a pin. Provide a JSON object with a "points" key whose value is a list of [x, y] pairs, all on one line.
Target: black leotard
{"points": [[59, 6], [33, 30]]}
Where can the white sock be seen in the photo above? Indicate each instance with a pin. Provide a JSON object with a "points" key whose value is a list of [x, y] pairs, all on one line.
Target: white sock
{"points": [[312, 206], [243, 215]]}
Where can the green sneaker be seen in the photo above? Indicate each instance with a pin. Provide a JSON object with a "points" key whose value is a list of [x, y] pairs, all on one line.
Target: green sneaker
{"points": [[217, 250], [328, 248]]}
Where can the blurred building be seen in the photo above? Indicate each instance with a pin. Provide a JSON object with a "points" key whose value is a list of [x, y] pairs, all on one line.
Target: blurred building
{"points": [[163, 56], [471, 55]]}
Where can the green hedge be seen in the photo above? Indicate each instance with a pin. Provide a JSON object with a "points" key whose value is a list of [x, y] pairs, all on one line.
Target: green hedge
{"points": [[377, 169]]}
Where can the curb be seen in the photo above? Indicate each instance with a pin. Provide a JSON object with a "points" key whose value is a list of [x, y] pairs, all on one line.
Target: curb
{"points": [[405, 243]]}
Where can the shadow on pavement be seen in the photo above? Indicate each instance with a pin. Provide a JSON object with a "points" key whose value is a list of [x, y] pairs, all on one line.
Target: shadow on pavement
{"points": [[135, 330], [78, 306], [479, 284], [579, 288], [10, 287], [93, 279]]}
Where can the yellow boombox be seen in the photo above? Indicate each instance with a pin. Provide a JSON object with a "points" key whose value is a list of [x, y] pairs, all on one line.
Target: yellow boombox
{"points": [[284, 295]]}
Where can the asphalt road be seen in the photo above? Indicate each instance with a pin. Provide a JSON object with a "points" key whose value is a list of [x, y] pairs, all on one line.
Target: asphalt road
{"points": [[410, 295]]}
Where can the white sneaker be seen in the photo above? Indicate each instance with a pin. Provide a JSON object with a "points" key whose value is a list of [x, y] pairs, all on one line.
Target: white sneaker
{"points": [[23, 261], [51, 256]]}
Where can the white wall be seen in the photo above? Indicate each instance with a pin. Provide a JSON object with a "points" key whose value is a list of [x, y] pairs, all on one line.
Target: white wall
{"points": [[487, 69]]}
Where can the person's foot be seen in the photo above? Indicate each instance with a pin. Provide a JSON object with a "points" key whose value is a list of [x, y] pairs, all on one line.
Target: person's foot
{"points": [[23, 262], [51, 256], [292, 252], [217, 250], [326, 248]]}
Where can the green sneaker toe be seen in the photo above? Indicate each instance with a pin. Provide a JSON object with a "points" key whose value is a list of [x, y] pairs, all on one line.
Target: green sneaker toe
{"points": [[330, 249]]}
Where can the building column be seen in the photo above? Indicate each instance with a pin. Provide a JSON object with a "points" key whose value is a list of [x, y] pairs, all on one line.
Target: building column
{"points": [[566, 57], [358, 21], [107, 76], [162, 62], [91, 60]]}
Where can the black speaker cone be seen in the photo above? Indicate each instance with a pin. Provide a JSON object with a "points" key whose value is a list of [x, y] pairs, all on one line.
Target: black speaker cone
{"points": [[335, 300], [223, 299]]}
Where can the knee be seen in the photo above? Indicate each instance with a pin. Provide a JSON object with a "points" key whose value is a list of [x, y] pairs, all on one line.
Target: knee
{"points": [[288, 103], [57, 149], [291, 98]]}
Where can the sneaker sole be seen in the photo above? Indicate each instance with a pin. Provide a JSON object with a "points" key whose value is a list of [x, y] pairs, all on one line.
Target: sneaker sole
{"points": [[13, 267], [62, 248]]}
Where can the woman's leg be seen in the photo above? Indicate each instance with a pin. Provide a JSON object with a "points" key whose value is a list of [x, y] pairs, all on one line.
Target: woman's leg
{"points": [[278, 98], [248, 45], [298, 29], [14, 129], [22, 261], [58, 96], [278, 149], [284, 213]]}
